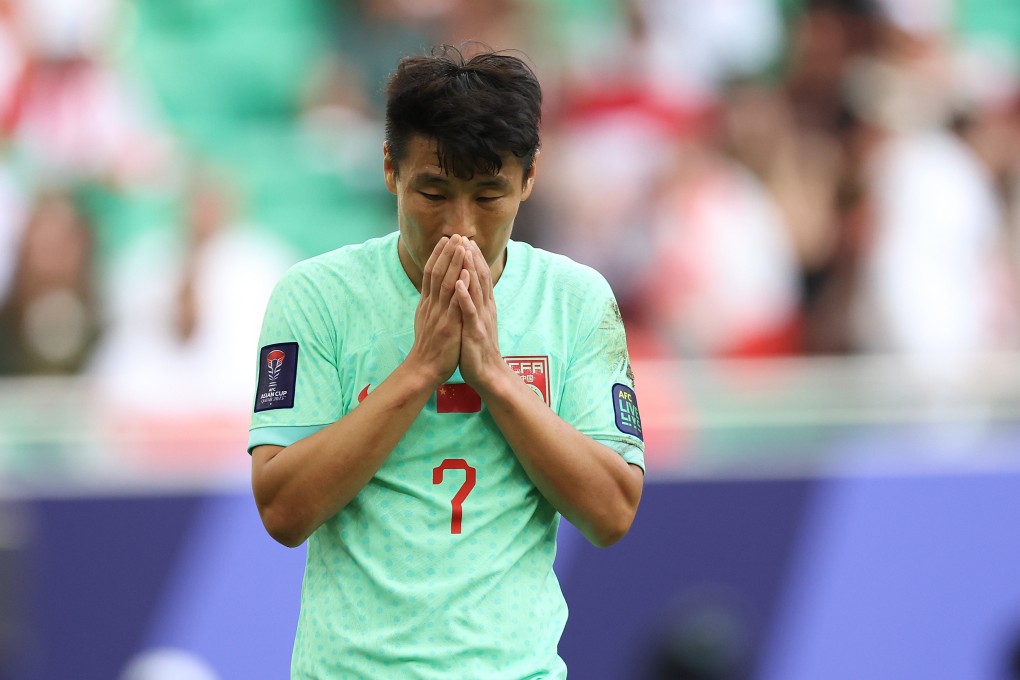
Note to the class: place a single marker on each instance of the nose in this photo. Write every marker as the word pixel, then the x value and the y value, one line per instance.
pixel 460 219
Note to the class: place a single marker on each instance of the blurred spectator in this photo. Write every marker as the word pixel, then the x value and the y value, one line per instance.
pixel 824 38
pixel 689 48
pixel 49 321
pixel 931 284
pixel 723 278
pixel 181 301
pixel 987 84
pixel 810 153
pixel 744 197
pixel 829 284
pixel 625 200
pixel 801 167
pixel 601 174
pixel 71 115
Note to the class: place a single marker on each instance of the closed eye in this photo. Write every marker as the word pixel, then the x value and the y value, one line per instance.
pixel 431 197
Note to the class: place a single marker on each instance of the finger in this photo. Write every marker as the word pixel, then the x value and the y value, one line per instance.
pixel 430 265
pixel 484 273
pixel 442 265
pixel 456 300
pixel 449 281
pixel 464 297
pixel 474 284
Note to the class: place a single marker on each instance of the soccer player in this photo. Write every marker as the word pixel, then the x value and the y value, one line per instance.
pixel 431 402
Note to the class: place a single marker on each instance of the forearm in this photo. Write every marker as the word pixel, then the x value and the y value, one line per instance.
pixel 299 487
pixel 587 482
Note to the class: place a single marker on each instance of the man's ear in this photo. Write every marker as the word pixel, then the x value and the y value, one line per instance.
pixel 389 169
pixel 529 179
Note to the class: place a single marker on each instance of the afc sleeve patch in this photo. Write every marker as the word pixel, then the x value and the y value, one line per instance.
pixel 277 376
pixel 628 420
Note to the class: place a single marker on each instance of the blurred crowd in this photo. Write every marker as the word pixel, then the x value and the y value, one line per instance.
pixel 755 177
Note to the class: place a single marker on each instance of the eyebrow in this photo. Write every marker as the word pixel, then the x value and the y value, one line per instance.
pixel 490 182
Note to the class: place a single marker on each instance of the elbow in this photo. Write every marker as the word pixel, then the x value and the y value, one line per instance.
pixel 610 527
pixel 609 533
pixel 615 518
pixel 282 527
pixel 288 540
pixel 284 518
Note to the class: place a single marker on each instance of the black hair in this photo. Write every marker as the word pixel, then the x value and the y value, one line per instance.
pixel 476 109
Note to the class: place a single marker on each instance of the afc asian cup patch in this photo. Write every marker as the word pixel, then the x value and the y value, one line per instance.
pixel 277 376
pixel 535 372
pixel 628 420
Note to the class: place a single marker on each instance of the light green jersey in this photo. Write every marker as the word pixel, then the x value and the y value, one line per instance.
pixel 441 567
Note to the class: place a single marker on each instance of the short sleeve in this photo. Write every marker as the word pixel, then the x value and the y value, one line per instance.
pixel 599 397
pixel 298 384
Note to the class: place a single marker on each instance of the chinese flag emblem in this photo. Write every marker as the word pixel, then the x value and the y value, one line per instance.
pixel 457 398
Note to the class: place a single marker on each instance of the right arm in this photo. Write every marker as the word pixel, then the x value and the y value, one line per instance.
pixel 300 486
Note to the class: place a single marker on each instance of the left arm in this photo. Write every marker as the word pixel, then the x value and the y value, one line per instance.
pixel 586 481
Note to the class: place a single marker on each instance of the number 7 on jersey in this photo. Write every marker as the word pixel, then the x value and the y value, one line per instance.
pixel 457 502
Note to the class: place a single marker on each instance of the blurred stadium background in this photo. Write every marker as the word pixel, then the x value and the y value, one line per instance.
pixel 809 209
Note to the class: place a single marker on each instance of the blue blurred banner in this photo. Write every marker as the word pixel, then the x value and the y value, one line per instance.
pixel 879 576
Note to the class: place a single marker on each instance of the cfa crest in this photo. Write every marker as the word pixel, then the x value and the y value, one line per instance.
pixel 534 371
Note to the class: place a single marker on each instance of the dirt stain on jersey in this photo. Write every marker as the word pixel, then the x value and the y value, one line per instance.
pixel 616 347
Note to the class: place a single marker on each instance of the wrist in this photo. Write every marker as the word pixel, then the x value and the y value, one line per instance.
pixel 497 383
pixel 422 376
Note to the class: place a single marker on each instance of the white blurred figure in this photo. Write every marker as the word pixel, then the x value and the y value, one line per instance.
pixel 184 306
pixel 987 78
pixel 77 115
pixel 167 664
pixel 928 285
pixel 723 278
pixel 931 281
pixel 174 372
pixel 691 47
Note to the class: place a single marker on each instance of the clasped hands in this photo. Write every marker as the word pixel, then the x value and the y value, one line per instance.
pixel 455 322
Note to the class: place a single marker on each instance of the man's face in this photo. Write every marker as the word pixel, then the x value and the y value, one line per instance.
pixel 432 204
